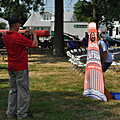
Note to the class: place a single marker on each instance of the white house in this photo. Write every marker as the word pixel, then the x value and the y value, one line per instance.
pixel 40 21
pixel 4 21
pixel 113 32
pixel 45 21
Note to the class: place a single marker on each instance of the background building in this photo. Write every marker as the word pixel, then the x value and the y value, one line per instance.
pixel 113 32
pixel 45 21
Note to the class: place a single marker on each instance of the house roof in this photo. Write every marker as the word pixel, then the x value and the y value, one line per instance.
pixel 69 15
pixel 4 21
pixel 35 19
pixel 47 11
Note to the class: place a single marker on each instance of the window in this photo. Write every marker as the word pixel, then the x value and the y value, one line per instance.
pixel 44 17
pixel 47 17
pixel 116 30
pixel 46 28
pixel 39 28
pixel 50 17
pixel 36 28
pixel 110 32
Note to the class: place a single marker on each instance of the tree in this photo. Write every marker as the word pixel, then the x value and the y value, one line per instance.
pixel 9 6
pixel 99 11
pixel 109 11
pixel 59 39
pixel 3 25
pixel 83 10
pixel 20 8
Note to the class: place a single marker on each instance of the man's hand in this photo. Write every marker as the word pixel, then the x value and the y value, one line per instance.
pixel 32 31
pixel 35 41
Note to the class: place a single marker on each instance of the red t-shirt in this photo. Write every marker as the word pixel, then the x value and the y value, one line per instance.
pixel 16 50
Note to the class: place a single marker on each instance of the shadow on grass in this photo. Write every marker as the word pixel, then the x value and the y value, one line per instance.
pixel 3 67
pixel 44 56
pixel 47 58
pixel 64 105
pixel 4 80
pixel 69 106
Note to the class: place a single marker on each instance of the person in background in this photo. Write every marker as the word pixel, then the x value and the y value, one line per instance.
pixel 70 45
pixel 85 40
pixel 106 61
pixel 106 57
pixel 105 40
pixel 15 44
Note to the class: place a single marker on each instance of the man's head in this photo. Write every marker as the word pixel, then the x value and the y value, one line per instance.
pixel 14 23
pixel 92 36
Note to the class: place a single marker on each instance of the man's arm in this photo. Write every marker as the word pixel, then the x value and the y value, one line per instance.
pixel 35 41
pixel 104 47
pixel 104 57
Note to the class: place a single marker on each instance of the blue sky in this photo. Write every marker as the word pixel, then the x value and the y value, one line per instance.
pixel 67 5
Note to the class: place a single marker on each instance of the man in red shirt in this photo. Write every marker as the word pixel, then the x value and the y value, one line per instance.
pixel 19 97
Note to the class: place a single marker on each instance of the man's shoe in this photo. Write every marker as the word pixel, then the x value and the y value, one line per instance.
pixel 27 117
pixel 12 117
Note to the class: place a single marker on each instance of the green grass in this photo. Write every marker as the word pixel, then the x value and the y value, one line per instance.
pixel 56 93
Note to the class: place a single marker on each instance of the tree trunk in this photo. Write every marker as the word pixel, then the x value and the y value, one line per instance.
pixel 95 15
pixel 59 39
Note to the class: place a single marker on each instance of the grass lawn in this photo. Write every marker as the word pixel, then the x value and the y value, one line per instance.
pixel 56 93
